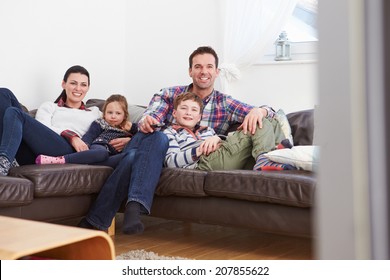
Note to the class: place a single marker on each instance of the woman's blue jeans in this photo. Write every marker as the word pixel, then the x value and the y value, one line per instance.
pixel 135 178
pixel 23 137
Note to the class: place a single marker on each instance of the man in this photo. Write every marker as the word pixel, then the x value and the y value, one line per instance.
pixel 220 110
pixel 137 174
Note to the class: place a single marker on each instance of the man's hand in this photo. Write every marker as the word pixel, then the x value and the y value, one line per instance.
pixel 120 143
pixel 78 144
pixel 252 119
pixel 146 125
pixel 208 146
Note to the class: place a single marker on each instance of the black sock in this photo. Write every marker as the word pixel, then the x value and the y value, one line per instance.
pixel 285 144
pixel 132 222
pixel 85 224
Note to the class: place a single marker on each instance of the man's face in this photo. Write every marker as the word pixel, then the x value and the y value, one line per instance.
pixel 203 71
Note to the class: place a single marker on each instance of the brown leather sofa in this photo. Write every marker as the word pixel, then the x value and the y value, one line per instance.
pixel 270 201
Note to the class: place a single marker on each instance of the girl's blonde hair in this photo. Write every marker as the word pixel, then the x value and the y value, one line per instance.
pixel 122 101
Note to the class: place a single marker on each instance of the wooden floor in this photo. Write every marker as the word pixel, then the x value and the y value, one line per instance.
pixel 210 242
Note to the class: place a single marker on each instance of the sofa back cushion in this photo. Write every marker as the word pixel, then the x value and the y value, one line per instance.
pixel 302 126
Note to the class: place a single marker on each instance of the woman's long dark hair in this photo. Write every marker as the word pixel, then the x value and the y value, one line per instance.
pixel 74 69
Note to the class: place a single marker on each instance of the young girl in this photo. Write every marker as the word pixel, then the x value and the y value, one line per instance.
pixel 114 124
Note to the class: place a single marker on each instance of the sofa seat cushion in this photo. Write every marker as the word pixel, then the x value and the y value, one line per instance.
pixel 15 191
pixel 63 179
pixel 292 188
pixel 181 182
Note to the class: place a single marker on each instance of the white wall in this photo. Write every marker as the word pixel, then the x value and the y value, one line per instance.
pixel 160 37
pixel 130 47
pixel 287 85
pixel 40 39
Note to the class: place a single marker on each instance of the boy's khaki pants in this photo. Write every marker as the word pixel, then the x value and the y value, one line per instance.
pixel 239 150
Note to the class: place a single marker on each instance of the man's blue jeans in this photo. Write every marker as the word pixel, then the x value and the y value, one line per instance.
pixel 24 137
pixel 135 178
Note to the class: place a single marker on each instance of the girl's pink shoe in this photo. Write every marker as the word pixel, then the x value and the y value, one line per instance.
pixel 42 159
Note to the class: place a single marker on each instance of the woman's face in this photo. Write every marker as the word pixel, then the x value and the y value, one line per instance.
pixel 76 87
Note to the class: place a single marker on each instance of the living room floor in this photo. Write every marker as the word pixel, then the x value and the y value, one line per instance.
pixel 210 242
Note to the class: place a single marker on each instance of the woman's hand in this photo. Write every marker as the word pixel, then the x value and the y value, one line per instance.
pixel 120 143
pixel 78 144
pixel 208 146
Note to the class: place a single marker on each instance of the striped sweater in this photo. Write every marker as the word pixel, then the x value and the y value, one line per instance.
pixel 183 143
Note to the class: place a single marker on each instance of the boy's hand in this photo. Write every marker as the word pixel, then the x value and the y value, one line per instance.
pixel 208 146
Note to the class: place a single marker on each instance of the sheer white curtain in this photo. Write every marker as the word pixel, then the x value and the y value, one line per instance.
pixel 249 27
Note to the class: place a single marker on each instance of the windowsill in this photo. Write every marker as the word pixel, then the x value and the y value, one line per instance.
pixel 302 53
pixel 284 62
pixel 296 58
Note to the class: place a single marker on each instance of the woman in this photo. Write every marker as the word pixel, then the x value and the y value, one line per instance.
pixel 55 131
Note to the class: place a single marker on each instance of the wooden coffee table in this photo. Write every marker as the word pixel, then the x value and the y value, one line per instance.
pixel 21 239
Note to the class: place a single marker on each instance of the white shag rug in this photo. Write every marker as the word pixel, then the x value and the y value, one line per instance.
pixel 145 255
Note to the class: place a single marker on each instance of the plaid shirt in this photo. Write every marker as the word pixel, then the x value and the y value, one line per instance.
pixel 220 110
pixel 69 134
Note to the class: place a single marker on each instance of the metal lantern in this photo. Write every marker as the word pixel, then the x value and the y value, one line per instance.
pixel 282 47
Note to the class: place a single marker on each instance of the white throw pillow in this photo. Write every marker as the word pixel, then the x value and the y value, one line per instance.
pixel 302 157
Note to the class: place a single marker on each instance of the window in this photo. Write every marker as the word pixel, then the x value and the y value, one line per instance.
pixel 302 25
pixel 301 31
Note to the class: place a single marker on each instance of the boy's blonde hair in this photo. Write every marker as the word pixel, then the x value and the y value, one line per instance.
pixel 122 101
pixel 188 96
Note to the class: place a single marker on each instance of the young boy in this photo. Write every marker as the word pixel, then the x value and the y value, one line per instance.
pixel 196 147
